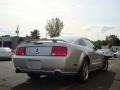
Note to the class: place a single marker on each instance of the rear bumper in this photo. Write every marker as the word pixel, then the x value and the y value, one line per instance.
pixel 5 58
pixel 6 55
pixel 9 56
pixel 42 72
pixel 41 64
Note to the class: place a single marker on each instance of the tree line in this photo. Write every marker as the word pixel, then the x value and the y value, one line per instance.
pixel 111 40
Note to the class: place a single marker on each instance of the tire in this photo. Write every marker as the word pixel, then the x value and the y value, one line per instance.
pixel 84 72
pixel 115 56
pixel 105 66
pixel 33 76
pixel 9 59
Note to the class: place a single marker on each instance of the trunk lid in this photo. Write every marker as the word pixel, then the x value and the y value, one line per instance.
pixel 41 48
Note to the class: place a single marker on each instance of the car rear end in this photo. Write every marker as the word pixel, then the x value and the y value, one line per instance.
pixel 43 57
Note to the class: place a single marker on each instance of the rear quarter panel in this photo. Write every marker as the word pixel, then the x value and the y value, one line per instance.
pixel 76 55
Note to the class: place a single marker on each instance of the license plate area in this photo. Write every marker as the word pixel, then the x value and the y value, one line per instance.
pixel 38 51
pixel 34 64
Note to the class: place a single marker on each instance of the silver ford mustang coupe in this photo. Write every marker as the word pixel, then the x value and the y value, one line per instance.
pixel 59 56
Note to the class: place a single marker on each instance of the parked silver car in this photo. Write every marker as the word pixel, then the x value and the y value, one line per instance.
pixel 117 54
pixel 59 56
pixel 5 53
pixel 107 53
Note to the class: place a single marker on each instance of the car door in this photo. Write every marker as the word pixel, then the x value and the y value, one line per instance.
pixel 96 58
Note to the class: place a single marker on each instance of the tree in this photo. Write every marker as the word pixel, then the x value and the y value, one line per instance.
pixel 35 34
pixel 100 43
pixel 21 39
pixel 113 40
pixel 54 27
pixel 110 41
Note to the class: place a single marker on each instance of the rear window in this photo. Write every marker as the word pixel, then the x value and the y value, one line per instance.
pixel 67 39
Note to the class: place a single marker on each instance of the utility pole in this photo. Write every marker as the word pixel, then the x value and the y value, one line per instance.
pixel 2 42
pixel 17 31
pixel 17 37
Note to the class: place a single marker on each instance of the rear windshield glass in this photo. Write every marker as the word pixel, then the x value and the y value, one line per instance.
pixel 66 39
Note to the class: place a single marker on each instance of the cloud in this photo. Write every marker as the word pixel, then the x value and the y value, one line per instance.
pixel 107 28
pixel 99 32
pixel 102 28
pixel 92 27
pixel 5 31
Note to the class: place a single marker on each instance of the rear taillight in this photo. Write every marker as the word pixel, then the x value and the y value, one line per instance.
pixel 59 51
pixel 20 51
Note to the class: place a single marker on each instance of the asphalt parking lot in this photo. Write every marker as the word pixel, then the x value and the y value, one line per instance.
pixel 109 80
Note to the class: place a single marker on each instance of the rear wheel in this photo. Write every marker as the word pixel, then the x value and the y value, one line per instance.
pixel 84 72
pixel 33 76
pixel 9 59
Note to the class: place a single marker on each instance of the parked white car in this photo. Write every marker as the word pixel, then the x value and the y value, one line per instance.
pixel 106 52
pixel 5 53
pixel 117 54
pixel 59 56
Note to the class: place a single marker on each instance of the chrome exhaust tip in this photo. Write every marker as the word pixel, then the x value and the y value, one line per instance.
pixel 58 72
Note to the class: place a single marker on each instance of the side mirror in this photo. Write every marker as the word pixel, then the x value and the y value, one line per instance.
pixel 95 48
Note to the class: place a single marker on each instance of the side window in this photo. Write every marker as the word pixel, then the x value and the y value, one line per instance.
pixel 89 43
pixel 81 42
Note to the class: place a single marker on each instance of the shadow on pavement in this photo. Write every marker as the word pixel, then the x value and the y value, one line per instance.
pixel 97 81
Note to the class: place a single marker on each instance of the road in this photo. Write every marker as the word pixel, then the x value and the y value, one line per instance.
pixel 109 80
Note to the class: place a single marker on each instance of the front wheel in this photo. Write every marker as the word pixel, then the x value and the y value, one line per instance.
pixel 84 72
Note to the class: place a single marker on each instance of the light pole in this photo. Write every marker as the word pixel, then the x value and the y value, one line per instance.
pixel 2 42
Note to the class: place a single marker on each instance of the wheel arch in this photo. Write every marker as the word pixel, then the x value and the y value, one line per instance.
pixel 87 59
pixel 83 57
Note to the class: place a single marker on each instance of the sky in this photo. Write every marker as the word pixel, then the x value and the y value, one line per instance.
pixel 94 19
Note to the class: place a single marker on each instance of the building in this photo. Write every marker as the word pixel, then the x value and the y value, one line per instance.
pixel 12 42
pixel 5 41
